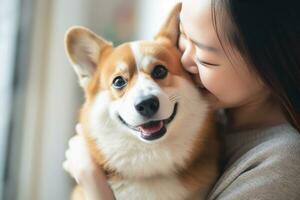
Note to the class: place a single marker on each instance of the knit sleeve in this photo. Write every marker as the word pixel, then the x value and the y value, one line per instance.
pixel 269 171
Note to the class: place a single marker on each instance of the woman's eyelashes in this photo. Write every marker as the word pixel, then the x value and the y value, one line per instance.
pixel 204 63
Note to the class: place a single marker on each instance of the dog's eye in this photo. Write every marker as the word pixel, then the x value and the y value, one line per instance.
pixel 119 82
pixel 159 72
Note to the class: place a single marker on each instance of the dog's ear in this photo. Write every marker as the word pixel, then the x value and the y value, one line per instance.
pixel 170 28
pixel 84 49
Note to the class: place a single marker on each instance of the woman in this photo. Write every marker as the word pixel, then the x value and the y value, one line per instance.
pixel 245 54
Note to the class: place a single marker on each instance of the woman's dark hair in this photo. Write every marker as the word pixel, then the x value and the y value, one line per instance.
pixel 267 34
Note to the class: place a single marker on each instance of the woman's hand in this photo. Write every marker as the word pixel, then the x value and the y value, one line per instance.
pixel 79 162
pixel 80 165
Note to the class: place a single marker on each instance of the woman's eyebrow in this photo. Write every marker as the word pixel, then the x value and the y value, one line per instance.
pixel 199 44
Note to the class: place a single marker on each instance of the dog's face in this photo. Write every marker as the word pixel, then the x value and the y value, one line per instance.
pixel 143 88
pixel 138 98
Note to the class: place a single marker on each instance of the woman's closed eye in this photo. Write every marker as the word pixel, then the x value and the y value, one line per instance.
pixel 205 63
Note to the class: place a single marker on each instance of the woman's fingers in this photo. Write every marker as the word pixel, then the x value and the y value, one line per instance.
pixel 65 166
pixel 81 166
pixel 78 129
pixel 79 163
pixel 67 154
pixel 74 141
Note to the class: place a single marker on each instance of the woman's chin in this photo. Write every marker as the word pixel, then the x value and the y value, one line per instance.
pixel 212 99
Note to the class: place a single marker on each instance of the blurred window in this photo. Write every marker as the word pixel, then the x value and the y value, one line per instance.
pixel 8 35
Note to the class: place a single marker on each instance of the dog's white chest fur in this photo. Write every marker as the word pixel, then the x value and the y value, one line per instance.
pixel 151 189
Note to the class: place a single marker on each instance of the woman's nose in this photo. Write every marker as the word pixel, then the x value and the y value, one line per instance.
pixel 187 60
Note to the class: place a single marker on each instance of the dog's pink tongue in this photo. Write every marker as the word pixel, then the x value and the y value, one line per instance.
pixel 148 130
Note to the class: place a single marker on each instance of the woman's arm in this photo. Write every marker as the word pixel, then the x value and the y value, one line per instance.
pixel 96 187
pixel 80 165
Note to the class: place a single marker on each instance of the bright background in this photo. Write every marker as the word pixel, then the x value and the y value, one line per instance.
pixel 39 94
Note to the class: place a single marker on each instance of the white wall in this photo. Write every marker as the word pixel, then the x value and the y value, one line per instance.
pixel 151 14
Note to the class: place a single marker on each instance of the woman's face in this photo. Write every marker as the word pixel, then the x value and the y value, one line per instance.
pixel 227 82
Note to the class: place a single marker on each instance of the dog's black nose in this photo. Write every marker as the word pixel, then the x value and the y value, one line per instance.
pixel 147 106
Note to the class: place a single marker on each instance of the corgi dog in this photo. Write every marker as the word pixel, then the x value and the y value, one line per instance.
pixel 145 121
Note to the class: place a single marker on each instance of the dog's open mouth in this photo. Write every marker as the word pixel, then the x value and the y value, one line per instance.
pixel 154 129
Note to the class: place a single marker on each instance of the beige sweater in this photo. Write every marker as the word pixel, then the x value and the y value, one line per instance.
pixel 262 164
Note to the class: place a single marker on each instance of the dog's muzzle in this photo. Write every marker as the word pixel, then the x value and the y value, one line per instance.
pixel 154 129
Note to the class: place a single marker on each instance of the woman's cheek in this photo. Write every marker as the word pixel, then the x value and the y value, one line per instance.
pixel 204 76
pixel 212 80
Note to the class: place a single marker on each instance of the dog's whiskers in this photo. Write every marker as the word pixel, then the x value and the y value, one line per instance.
pixel 174 98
